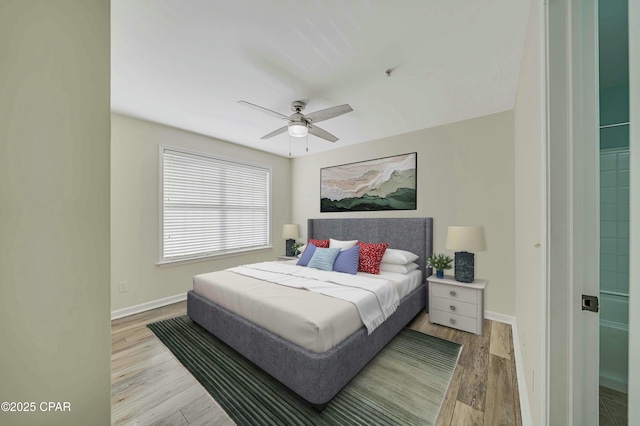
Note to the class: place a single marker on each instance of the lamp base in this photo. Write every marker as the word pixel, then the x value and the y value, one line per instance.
pixel 289 247
pixel 464 266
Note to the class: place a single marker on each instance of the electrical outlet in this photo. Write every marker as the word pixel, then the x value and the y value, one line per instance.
pixel 124 286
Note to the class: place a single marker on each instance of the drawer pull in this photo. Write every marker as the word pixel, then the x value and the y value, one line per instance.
pixel 452 321
pixel 453 308
pixel 453 293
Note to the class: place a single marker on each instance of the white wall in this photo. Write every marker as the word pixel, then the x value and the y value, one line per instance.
pixel 530 213
pixel 54 210
pixel 634 145
pixel 465 177
pixel 135 209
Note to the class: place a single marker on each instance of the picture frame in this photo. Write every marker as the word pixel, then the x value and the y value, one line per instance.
pixel 387 183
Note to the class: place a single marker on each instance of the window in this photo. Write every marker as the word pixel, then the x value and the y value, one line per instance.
pixel 211 206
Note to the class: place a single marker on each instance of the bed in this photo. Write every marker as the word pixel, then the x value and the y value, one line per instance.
pixel 318 376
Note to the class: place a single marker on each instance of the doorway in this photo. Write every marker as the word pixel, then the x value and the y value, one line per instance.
pixel 613 40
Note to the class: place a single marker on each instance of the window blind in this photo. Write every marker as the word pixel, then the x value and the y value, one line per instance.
pixel 212 206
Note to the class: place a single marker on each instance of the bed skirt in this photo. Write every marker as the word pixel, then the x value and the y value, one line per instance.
pixel 315 377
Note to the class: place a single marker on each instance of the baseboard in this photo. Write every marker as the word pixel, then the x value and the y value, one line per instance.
pixel 525 409
pixel 131 310
pixel 614 384
pixel 497 316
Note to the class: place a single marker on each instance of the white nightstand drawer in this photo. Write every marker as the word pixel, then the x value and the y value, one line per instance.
pixel 456 304
pixel 455 307
pixel 457 292
pixel 454 320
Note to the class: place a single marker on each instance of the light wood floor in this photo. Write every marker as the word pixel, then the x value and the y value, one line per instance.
pixel 150 387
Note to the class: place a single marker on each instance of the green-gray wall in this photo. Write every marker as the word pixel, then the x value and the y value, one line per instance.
pixel 465 177
pixel 54 210
pixel 135 206
pixel 530 220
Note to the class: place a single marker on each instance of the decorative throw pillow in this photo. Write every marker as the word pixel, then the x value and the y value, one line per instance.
pixel 399 269
pixel 320 243
pixel 307 255
pixel 399 257
pixel 347 261
pixel 324 258
pixel 343 245
pixel 371 256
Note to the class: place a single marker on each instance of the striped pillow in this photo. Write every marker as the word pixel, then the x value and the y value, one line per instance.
pixel 323 258
pixel 347 261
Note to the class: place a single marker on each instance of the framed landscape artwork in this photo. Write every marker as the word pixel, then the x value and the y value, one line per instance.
pixel 383 184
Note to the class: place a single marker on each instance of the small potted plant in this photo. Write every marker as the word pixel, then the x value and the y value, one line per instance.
pixel 439 262
pixel 296 248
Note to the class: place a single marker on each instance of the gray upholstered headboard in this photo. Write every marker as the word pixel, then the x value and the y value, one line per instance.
pixel 411 234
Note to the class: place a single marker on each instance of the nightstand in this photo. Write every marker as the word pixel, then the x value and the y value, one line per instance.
pixel 283 257
pixel 455 304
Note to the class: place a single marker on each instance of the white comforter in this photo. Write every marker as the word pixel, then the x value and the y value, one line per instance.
pixel 375 299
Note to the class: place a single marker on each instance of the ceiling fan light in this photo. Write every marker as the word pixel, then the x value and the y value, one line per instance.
pixel 298 129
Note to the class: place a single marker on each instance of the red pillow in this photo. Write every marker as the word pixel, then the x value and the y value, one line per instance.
pixel 320 243
pixel 371 256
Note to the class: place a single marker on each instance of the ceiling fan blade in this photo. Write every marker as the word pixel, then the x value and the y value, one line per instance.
pixel 325 114
pixel 275 132
pixel 265 110
pixel 317 131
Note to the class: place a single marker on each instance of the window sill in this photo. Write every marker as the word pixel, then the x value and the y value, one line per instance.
pixel 168 263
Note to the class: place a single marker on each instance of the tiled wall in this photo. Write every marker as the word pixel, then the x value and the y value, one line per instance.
pixel 614 221
pixel 614 268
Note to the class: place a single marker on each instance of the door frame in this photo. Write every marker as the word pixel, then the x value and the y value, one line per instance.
pixel 634 234
pixel 573 211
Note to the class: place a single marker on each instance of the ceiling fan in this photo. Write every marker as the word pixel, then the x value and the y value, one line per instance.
pixel 300 124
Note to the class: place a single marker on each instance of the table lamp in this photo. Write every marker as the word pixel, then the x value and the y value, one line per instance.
pixel 465 240
pixel 290 232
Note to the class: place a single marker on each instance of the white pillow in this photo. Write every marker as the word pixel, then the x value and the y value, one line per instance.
pixel 399 269
pixel 398 257
pixel 301 250
pixel 342 245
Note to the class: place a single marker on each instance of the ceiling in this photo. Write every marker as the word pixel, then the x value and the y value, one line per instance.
pixel 187 63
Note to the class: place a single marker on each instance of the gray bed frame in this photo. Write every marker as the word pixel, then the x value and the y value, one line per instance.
pixel 318 377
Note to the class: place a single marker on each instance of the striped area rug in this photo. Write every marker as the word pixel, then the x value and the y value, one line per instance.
pixel 404 384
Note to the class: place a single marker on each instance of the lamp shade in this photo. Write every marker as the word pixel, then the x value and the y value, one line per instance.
pixel 466 238
pixel 298 129
pixel 290 231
